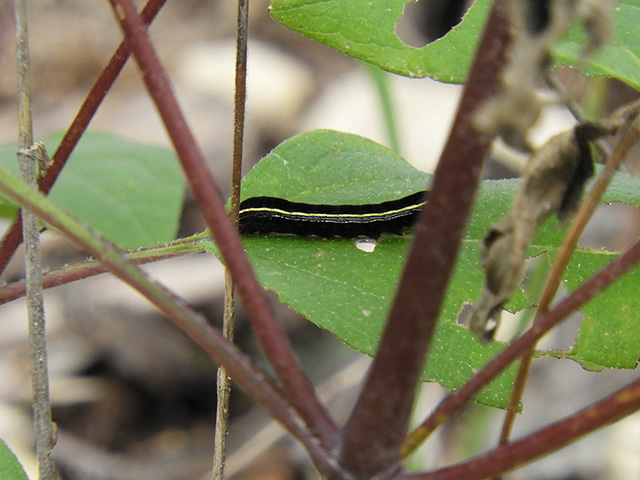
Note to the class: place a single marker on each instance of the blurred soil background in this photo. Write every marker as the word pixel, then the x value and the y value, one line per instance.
pixel 133 399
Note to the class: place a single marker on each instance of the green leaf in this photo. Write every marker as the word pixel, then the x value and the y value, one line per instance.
pixel 343 289
pixel 10 468
pixel 349 292
pixel 366 30
pixel 620 59
pixel 345 169
pixel 131 193
pixel 609 335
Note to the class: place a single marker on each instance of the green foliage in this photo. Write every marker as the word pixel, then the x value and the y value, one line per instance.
pixel 349 292
pixel 10 468
pixel 619 60
pixel 366 30
pixel 131 193
pixel 609 335
pixel 345 168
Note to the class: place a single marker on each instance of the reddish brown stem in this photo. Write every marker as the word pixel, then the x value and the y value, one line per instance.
pixel 553 437
pixel 273 341
pixel 55 278
pixel 256 382
pixel 629 138
pixel 591 288
pixel 385 402
pixel 13 236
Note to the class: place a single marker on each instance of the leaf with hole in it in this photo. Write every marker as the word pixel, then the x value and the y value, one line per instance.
pixel 366 30
pixel 10 468
pixel 608 336
pixel 131 193
pixel 348 291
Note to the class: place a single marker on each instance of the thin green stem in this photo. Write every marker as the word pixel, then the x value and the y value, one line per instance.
pixel 381 80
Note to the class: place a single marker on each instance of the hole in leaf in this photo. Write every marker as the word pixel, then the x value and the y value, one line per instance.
pixel 423 21
pixel 408 25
